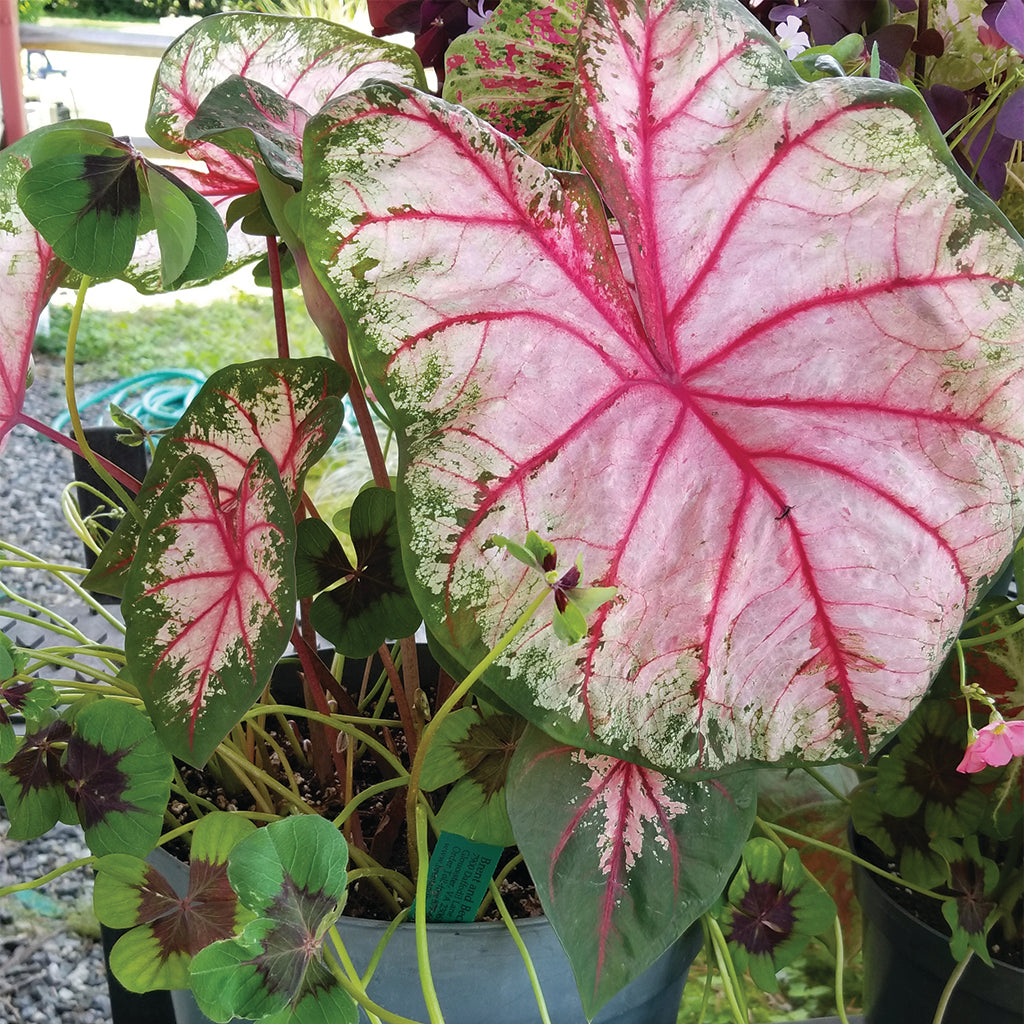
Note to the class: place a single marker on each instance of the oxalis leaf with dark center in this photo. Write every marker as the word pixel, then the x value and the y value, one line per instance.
pixel 784 426
pixel 774 909
pixel 292 876
pixel 105 768
pixel 166 930
pixel 365 604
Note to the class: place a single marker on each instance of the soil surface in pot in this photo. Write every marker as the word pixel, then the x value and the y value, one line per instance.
pixel 380 829
pixel 929 911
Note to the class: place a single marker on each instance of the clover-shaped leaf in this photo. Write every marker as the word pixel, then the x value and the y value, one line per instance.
pixel 774 910
pixel 292 876
pixel 166 930
pixel 358 606
pixel 788 434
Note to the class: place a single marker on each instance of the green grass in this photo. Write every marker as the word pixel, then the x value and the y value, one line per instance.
pixel 117 345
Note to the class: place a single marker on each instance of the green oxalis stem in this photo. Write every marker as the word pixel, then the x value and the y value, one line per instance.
pixel 72 403
pixel 35 883
pixel 412 800
pixel 726 968
pixel 772 830
pixel 422 953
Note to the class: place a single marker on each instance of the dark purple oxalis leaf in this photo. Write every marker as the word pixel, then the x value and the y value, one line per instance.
pixel 794 446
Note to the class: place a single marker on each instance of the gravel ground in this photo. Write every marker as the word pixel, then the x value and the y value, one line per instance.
pixel 51 960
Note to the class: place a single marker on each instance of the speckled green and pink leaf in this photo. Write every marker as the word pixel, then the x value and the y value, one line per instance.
pixel 624 858
pixel 793 445
pixel 293 65
pixel 517 72
pixel 291 408
pixel 210 601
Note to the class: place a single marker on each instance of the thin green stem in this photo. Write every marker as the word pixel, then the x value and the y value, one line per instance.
pixel 840 968
pixel 950 986
pixel 460 691
pixel 838 851
pixel 72 404
pixel 531 972
pixel 422 953
pixel 345 973
pixel 82 862
pixel 727 969
pixel 819 778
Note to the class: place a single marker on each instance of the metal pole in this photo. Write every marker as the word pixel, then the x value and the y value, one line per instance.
pixel 11 96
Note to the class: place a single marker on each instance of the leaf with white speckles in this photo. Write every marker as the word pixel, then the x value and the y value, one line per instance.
pixel 794 445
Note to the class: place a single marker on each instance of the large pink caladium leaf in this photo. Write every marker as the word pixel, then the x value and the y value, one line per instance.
pixel 796 454
pixel 210 602
pixel 266 74
pixel 624 858
pixel 288 407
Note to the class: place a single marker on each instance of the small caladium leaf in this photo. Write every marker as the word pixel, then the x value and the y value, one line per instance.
pixel 517 71
pixel 288 407
pixel 625 859
pixel 210 602
pixel 293 66
pixel 292 876
pixel 167 930
pixel 774 908
pixel 251 120
pixel 473 749
pixel 371 602
pixel 795 501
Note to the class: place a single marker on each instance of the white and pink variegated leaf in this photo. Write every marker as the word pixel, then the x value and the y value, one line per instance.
pixel 625 859
pixel 210 601
pixel 794 445
pixel 290 408
pixel 306 62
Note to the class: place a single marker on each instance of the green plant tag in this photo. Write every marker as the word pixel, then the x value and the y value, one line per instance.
pixel 459 872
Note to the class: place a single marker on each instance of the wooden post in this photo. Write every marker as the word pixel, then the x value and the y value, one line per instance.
pixel 11 96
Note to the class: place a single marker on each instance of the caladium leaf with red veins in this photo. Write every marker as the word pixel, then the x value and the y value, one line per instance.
pixel 517 71
pixel 288 407
pixel 621 867
pixel 210 601
pixel 293 66
pixel 168 929
pixel 796 456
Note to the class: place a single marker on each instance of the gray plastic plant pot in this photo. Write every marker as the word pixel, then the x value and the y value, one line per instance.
pixel 479 973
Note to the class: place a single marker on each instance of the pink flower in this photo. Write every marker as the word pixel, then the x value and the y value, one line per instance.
pixel 994 745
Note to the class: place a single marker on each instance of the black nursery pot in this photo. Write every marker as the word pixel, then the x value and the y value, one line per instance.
pixel 134 460
pixel 907 964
